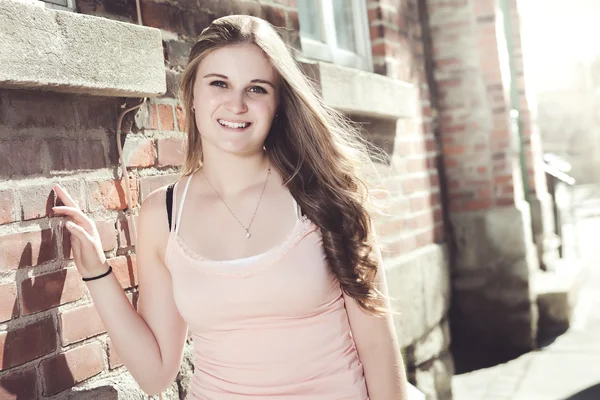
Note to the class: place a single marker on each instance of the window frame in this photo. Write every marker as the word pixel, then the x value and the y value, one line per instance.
pixel 328 50
pixel 51 4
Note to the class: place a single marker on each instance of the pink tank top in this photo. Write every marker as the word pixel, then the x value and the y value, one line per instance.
pixel 272 326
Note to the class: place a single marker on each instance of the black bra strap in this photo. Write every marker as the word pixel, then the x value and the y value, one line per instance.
pixel 170 204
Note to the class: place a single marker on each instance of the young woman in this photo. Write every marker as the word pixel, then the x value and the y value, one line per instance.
pixel 264 248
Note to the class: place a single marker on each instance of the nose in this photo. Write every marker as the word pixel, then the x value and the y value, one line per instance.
pixel 236 102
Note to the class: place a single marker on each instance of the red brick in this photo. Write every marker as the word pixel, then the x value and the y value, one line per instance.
pixel 507 201
pixel 72 367
pixel 149 184
pixel 7 206
pixel 416 165
pixel 24 157
pixel 476 205
pixel 414 184
pixel 171 152
pixel 374 14
pixel 139 153
pixel 114 361
pixel 181 121
pixel 379 50
pixel 376 32
pixel 37 200
pixel 125 270
pixel 153 115
pixel 402 246
pixel 498 179
pixel 80 323
pixel 420 221
pixel 165 116
pixel 19 385
pixel 454 150
pixel 8 301
pixel 108 234
pixel 50 290
pixel 28 343
pixel 420 203
pixel 108 237
pixel 19 250
pixel 392 227
pixel 111 194
pixel 425 238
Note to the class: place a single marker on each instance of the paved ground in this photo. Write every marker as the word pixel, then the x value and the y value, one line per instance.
pixel 566 369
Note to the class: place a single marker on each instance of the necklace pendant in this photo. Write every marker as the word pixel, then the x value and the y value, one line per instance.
pixel 248 234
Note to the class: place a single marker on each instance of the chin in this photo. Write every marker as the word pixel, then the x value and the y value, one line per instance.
pixel 242 150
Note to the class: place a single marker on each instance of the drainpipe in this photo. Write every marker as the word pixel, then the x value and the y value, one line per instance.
pixel 515 116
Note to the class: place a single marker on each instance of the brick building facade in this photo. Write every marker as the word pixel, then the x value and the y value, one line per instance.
pixel 425 78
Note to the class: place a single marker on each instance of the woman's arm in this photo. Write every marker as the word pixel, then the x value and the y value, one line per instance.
pixel 377 346
pixel 149 341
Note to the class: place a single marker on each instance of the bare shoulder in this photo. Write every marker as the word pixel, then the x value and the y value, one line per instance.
pixel 153 226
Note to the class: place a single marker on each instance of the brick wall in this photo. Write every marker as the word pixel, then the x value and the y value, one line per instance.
pixel 48 326
pixel 51 337
pixel 397 45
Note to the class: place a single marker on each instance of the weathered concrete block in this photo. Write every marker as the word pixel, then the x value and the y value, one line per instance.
pixel 430 346
pixel 557 294
pixel 434 378
pixel 420 290
pixel 494 305
pixel 53 50
pixel 363 93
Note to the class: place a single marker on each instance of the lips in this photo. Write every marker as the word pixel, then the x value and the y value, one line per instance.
pixel 233 124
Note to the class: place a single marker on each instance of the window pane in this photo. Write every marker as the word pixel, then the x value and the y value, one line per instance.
pixel 344 25
pixel 309 13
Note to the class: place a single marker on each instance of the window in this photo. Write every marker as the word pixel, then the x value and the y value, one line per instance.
pixel 65 5
pixel 335 31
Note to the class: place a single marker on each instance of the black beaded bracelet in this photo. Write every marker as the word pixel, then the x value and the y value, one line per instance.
pixel 93 278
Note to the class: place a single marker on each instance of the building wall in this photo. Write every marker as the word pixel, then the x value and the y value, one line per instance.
pixel 52 340
pixel 494 256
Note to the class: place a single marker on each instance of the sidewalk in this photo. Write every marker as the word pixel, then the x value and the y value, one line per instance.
pixel 568 368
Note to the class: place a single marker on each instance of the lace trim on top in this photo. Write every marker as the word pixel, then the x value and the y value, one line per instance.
pixel 253 264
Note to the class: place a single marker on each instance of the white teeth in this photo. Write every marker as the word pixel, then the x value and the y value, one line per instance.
pixel 233 124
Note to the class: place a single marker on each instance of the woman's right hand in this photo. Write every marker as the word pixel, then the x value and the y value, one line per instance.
pixel 85 241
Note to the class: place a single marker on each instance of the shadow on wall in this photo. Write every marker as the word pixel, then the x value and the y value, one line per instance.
pixel 591 393
pixel 45 136
pixel 23 344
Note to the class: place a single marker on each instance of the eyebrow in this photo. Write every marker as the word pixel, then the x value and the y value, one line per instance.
pixel 263 81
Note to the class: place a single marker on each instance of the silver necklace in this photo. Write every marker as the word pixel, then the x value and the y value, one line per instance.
pixel 255 210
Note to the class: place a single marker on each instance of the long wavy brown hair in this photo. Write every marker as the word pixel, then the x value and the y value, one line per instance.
pixel 320 154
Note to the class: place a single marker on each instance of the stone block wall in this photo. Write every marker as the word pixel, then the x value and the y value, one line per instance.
pixel 53 343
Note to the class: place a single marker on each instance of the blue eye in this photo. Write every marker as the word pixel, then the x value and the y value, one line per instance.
pixel 219 84
pixel 258 89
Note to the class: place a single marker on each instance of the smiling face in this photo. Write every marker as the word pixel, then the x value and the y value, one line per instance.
pixel 236 94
